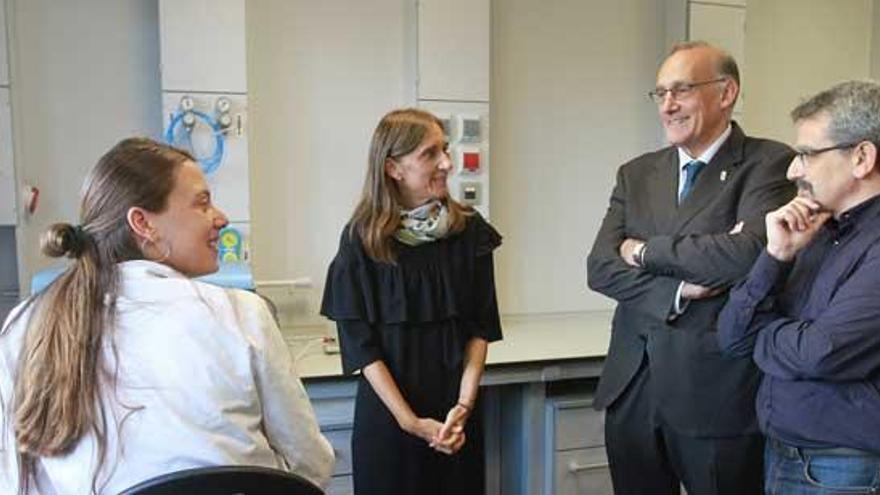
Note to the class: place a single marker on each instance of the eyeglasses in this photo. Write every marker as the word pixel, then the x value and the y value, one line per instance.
pixel 679 91
pixel 803 154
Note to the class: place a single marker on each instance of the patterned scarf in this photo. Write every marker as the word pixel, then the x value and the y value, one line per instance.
pixel 423 224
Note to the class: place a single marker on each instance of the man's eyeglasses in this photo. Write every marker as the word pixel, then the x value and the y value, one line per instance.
pixel 803 154
pixel 679 91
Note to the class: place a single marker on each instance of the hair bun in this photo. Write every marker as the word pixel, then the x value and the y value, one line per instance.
pixel 63 239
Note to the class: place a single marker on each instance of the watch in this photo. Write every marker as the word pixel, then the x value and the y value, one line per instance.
pixel 639 254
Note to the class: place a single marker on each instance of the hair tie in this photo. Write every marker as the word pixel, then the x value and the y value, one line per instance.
pixel 80 238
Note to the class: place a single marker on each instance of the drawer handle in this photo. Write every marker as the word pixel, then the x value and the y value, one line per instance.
pixel 574 467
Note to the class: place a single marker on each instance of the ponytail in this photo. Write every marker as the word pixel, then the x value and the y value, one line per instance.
pixel 58 387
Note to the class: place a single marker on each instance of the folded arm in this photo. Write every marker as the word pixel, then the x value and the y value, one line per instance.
pixel 721 259
pixel 609 274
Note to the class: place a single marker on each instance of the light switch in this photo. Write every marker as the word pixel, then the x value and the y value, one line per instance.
pixel 471 193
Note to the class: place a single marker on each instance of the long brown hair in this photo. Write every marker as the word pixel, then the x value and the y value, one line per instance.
pixel 377 215
pixel 60 374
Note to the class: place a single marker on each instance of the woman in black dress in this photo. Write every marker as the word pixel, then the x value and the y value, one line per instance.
pixel 412 292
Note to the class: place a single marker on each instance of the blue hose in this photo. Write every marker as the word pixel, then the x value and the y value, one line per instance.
pixel 211 163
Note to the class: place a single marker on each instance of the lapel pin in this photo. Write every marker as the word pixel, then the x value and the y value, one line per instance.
pixel 723 175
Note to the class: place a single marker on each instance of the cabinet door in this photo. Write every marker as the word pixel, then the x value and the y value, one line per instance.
pixel 202 45
pixel 453 50
pixel 4 66
pixel 725 26
pixel 578 425
pixel 7 173
pixel 582 471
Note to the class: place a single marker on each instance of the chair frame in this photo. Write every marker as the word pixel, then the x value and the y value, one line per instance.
pixel 226 480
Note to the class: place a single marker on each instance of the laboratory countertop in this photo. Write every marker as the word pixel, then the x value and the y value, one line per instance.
pixel 527 339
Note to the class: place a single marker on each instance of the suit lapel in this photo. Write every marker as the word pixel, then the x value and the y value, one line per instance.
pixel 712 178
pixel 664 193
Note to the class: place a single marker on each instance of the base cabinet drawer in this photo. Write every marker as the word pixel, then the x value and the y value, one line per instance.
pixel 582 472
pixel 578 425
pixel 574 455
pixel 340 485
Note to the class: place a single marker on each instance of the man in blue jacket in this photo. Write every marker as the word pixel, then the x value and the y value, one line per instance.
pixel 809 311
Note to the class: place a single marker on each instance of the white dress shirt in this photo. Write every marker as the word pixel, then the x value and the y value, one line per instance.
pixel 204 378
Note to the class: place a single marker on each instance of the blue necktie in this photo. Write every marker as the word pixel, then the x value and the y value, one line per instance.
pixel 691 170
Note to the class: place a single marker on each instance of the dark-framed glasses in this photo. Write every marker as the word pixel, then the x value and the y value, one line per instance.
pixel 679 91
pixel 803 154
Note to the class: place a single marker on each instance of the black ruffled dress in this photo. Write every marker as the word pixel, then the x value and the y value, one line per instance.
pixel 416 316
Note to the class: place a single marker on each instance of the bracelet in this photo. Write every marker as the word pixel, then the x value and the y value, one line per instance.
pixel 639 254
pixel 463 406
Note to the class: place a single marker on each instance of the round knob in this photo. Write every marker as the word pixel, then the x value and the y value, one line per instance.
pixel 222 105
pixel 224 120
pixel 187 103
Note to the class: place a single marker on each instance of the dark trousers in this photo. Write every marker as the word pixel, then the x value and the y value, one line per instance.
pixel 648 458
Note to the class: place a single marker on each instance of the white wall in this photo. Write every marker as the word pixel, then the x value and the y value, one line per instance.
pixel 320 75
pixel 796 48
pixel 569 105
pixel 84 74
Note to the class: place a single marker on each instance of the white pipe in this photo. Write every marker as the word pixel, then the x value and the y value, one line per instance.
pixel 293 283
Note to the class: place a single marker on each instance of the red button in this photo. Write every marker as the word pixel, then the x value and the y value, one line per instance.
pixel 471 162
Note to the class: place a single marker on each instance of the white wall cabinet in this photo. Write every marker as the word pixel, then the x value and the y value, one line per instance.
pixel 7 172
pixel 203 46
pixel 4 52
pixel 725 26
pixel 453 50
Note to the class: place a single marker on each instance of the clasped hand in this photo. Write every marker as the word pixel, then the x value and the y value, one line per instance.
pixel 447 437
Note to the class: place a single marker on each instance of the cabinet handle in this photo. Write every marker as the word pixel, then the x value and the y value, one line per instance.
pixel 574 467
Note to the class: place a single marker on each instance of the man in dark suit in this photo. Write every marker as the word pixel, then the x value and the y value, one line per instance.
pixel 684 223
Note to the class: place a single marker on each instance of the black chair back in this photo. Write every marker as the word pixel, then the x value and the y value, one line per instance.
pixel 226 480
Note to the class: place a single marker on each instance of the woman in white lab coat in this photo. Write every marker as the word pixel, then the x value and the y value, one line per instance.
pixel 125 368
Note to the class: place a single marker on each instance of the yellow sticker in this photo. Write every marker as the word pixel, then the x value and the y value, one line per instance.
pixel 229 239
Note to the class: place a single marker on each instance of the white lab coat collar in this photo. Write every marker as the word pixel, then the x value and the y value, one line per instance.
pixel 136 269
